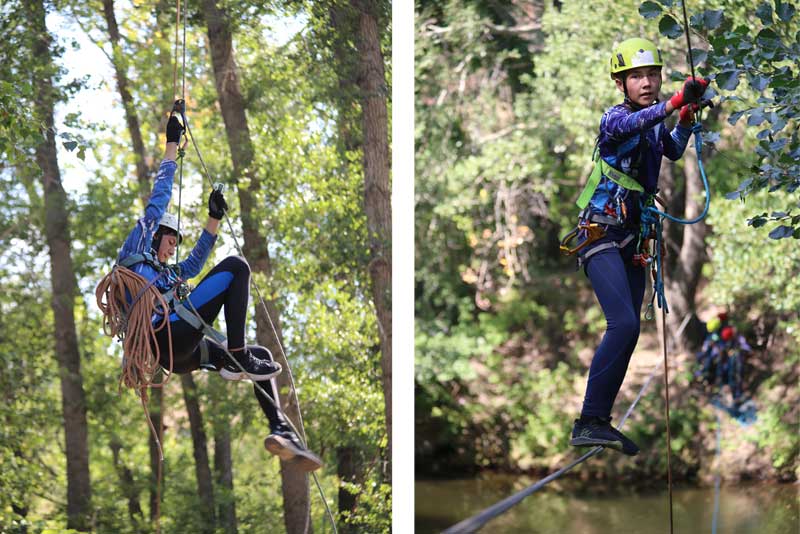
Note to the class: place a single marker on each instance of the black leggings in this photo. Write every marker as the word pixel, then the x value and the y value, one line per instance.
pixel 228 285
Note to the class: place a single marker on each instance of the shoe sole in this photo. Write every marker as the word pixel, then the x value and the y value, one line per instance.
pixel 288 451
pixel 586 442
pixel 238 375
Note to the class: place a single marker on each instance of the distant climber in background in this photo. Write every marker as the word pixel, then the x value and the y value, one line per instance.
pixel 721 361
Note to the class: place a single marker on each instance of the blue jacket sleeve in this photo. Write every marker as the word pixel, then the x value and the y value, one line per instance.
pixel 141 237
pixel 620 124
pixel 675 142
pixel 191 266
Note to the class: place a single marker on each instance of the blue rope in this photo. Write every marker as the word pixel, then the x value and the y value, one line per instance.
pixel 652 216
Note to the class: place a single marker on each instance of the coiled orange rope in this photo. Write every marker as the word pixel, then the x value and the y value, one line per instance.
pixel 132 324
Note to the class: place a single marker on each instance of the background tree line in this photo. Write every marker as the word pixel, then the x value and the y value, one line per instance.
pixel 298 130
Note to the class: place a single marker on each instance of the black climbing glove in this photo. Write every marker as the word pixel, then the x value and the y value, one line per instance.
pixel 216 205
pixel 174 130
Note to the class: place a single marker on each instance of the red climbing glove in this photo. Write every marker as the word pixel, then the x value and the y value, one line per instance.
pixel 687 113
pixel 690 93
pixel 174 130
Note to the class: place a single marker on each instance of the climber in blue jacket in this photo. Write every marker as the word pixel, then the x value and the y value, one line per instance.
pixel 146 251
pixel 632 140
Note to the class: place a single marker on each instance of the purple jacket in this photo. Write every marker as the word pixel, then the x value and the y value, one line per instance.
pixel 634 142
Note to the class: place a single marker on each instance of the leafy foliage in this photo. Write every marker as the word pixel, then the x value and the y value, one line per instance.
pixel 755 66
pixel 312 205
pixel 504 134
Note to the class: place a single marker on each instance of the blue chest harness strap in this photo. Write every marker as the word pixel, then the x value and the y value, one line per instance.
pixel 178 305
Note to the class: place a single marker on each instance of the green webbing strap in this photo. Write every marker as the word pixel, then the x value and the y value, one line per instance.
pixel 601 168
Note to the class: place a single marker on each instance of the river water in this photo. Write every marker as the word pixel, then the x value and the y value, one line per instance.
pixel 563 508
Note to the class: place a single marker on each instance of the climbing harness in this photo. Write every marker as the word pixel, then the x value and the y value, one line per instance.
pixel 133 323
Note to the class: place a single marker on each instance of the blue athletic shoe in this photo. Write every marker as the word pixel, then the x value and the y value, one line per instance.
pixel 596 431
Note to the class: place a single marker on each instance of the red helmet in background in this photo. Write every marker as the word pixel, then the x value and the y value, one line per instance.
pixel 727 333
pixel 723 316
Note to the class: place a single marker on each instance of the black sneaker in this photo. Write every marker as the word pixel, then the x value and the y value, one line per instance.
pixel 254 368
pixel 284 443
pixel 599 432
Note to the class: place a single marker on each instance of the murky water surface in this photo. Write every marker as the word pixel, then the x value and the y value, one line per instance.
pixel 563 508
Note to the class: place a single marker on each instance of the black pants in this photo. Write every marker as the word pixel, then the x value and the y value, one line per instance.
pixel 226 285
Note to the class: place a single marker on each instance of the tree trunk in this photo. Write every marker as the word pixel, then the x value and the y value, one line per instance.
pixel 348 462
pixel 120 69
pixel 156 418
pixel 202 468
pixel 127 484
pixel 143 183
pixel 296 503
pixel 223 469
pixel 685 276
pixel 64 284
pixel 377 202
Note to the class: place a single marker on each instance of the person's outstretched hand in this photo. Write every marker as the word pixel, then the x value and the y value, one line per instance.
pixel 217 205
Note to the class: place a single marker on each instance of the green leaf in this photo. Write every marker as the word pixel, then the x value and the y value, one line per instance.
pixel 713 18
pixel 776 146
pixel 670 27
pixel 781 231
pixel 650 10
pixel 784 10
pixel 756 117
pixel 728 80
pixel 698 56
pixel 758 82
pixel 768 39
pixel 70 145
pixel 764 12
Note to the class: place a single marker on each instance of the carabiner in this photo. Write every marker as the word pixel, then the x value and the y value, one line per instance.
pixel 593 233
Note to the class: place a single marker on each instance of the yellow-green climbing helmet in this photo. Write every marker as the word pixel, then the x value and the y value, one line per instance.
pixel 634 53
pixel 713 324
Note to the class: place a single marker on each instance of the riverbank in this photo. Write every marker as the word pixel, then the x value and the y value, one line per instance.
pixel 573 506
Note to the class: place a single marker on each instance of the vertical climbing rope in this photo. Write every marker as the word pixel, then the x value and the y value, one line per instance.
pixel 301 432
pixel 666 412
